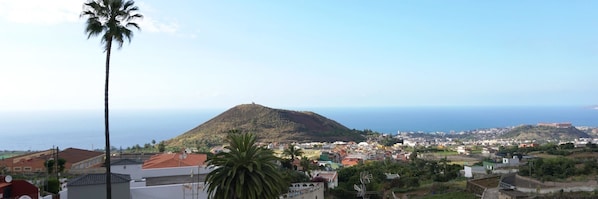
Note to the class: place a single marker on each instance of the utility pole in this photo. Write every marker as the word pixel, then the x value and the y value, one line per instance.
pixel 56 166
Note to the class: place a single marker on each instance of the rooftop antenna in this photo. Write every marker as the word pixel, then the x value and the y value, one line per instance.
pixel 182 157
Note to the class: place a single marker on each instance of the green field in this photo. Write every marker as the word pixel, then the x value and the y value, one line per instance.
pixel 4 155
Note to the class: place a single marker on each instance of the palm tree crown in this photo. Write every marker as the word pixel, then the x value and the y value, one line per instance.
pixel 246 171
pixel 112 18
pixel 292 151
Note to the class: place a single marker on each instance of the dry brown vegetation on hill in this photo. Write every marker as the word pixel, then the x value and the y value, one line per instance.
pixel 531 132
pixel 270 125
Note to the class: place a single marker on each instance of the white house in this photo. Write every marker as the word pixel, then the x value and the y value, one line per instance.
pixel 511 161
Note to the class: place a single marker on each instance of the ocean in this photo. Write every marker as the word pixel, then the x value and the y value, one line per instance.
pixel 38 130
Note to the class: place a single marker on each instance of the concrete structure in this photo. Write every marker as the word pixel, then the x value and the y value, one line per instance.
pixel 131 167
pixel 175 175
pixel 311 190
pixel 187 190
pixel 511 161
pixel 471 171
pixel 93 186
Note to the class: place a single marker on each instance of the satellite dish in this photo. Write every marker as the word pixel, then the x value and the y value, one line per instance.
pixel 8 178
pixel 357 188
pixel 25 197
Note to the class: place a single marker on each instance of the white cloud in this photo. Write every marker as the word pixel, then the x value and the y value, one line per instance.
pixel 151 25
pixel 43 12
pixel 46 12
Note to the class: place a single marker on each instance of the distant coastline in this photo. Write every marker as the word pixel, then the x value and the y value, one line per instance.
pixel 84 129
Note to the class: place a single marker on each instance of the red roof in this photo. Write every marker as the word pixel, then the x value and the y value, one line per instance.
pixel 174 160
pixel 350 161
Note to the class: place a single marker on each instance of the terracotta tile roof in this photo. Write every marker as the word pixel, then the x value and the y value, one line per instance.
pixel 74 155
pixel 174 160
pixel 350 161
pixel 99 178
pixel 37 159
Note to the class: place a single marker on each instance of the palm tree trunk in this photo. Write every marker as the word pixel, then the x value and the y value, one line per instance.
pixel 107 132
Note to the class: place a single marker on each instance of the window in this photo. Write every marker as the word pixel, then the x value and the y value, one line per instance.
pixel 26 168
pixel 17 168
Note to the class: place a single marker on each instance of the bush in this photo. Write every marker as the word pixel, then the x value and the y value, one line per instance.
pixel 53 185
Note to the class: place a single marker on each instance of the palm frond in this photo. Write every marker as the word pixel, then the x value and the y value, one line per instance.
pixel 245 170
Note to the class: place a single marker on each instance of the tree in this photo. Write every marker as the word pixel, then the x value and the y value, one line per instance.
pixel 245 171
pixel 112 19
pixel 161 147
pixel 294 152
pixel 50 165
pixel 306 165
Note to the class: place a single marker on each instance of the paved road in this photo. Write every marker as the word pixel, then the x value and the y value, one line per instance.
pixel 491 193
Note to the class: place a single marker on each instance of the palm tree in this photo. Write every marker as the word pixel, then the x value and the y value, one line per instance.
pixel 245 171
pixel 111 19
pixel 292 151
pixel 306 165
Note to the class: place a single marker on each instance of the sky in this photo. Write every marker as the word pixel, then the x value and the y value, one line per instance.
pixel 194 54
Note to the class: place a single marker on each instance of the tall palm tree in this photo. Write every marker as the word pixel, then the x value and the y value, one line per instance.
pixel 246 171
pixel 112 19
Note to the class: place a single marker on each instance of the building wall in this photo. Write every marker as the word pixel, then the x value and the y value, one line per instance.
pixel 305 191
pixel 174 171
pixel 119 191
pixel 134 170
pixel 88 163
pixel 194 190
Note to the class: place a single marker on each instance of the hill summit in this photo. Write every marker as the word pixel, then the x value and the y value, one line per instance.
pixel 269 125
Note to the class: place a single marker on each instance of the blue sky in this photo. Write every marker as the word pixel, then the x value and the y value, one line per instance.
pixel 217 54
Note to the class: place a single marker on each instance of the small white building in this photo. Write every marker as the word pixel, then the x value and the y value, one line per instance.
pixel 511 161
pixel 470 171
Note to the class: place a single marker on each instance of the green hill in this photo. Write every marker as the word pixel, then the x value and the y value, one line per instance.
pixel 269 124
pixel 532 132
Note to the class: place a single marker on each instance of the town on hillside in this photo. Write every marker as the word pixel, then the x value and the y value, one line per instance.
pixel 474 164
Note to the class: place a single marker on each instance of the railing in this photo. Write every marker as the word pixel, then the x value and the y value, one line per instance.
pixel 298 189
